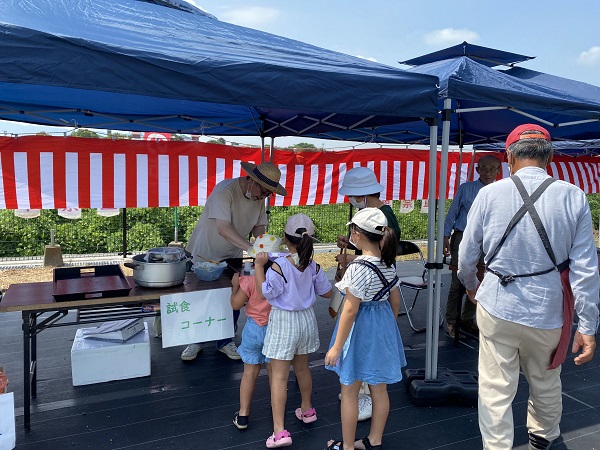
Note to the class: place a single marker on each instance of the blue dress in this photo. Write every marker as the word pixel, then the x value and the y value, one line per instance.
pixel 373 351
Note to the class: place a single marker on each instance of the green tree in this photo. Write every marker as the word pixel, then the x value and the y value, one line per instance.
pixel 177 137
pixel 217 141
pixel 116 135
pixel 302 145
pixel 85 133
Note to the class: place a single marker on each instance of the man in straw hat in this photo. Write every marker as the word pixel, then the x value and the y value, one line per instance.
pixel 541 264
pixel 234 210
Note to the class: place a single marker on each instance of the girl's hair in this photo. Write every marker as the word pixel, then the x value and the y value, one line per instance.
pixel 388 243
pixel 304 246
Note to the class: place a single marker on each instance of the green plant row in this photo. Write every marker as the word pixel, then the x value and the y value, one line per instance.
pixel 154 227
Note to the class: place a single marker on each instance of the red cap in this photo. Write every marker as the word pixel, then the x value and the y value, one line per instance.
pixel 517 134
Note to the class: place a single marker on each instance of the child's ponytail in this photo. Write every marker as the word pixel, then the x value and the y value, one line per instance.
pixel 389 247
pixel 304 246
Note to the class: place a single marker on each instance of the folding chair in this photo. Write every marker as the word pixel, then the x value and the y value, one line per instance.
pixel 416 283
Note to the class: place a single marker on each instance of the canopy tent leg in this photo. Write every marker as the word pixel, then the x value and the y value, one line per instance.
pixel 434 386
pixel 124 212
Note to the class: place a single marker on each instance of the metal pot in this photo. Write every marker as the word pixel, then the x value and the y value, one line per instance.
pixel 158 274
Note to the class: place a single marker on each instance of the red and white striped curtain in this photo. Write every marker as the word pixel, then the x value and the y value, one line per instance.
pixel 40 172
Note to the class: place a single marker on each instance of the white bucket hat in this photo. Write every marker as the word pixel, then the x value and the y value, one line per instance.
pixel 360 181
pixel 371 220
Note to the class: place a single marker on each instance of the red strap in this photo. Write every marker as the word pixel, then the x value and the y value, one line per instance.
pixel 560 354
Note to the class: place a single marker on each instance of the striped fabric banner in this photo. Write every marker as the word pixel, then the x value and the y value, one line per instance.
pixel 40 172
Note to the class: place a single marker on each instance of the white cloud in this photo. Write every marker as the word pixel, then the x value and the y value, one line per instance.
pixel 252 17
pixel 590 57
pixel 450 36
pixel 367 58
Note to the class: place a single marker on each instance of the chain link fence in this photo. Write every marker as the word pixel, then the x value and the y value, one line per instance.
pixel 154 227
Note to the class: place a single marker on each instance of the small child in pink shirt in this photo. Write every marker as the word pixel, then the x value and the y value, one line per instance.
pixel 257 312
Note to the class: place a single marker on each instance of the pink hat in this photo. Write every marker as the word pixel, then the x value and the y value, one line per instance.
pixel 519 133
pixel 298 224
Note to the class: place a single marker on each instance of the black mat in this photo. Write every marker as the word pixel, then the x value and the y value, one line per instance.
pixel 191 405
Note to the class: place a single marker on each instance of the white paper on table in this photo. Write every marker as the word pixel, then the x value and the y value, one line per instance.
pixel 194 317
pixel 8 435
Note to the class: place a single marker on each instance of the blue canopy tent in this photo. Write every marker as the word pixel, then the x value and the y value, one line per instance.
pixel 150 65
pixel 163 65
pixel 481 104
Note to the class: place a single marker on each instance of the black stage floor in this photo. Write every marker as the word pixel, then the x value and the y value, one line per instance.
pixel 191 405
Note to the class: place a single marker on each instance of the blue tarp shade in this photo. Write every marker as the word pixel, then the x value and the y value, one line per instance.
pixel 142 66
pixel 484 55
pixel 488 103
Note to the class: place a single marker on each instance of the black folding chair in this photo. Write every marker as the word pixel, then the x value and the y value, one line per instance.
pixel 416 283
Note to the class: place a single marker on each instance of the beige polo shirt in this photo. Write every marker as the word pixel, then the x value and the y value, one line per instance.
pixel 226 202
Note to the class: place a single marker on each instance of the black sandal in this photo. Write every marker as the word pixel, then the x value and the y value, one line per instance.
pixel 367 443
pixel 241 422
pixel 337 444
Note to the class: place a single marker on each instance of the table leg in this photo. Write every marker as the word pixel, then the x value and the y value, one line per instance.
pixel 26 371
pixel 33 366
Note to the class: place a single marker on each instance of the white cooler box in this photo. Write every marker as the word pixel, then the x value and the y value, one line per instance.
pixel 95 361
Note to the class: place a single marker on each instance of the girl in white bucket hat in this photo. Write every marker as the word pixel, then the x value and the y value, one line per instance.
pixel 361 187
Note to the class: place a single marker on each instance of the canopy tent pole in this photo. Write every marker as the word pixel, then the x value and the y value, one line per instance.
pixel 433 386
pixel 447 112
pixel 124 211
pixel 430 339
pixel 175 226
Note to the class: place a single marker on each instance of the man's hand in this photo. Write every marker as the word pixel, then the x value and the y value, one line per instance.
pixel 587 345
pixel 446 247
pixel 345 259
pixel 471 295
pixel 342 241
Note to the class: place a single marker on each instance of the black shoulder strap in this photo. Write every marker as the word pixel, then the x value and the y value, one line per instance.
pixel 277 269
pixel 387 285
pixel 521 212
pixel 535 217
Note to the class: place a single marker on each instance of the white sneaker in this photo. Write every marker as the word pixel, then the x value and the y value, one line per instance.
pixel 191 351
pixel 231 351
pixel 365 407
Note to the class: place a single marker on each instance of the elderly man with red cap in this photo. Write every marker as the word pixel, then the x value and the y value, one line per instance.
pixel 541 263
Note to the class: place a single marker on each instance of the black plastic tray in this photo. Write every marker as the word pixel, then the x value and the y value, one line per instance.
pixel 80 283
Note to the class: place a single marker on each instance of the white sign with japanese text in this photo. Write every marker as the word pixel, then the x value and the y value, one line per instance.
pixel 194 317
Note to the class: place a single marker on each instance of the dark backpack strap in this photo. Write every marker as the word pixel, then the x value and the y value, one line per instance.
pixel 520 213
pixel 387 285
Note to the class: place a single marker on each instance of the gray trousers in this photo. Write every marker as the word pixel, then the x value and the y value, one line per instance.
pixel 457 290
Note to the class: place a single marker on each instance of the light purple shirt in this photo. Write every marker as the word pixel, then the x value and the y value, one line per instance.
pixel 532 301
pixel 295 292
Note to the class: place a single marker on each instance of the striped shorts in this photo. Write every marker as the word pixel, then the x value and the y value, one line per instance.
pixel 291 333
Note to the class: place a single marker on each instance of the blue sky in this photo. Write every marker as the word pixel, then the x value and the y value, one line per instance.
pixel 563 35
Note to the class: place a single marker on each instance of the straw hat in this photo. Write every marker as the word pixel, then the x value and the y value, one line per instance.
pixel 266 174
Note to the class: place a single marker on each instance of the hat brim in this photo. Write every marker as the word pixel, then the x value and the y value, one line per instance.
pixel 249 168
pixel 362 190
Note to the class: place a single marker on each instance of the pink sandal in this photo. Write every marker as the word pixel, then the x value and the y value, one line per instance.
pixel 308 416
pixel 281 439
